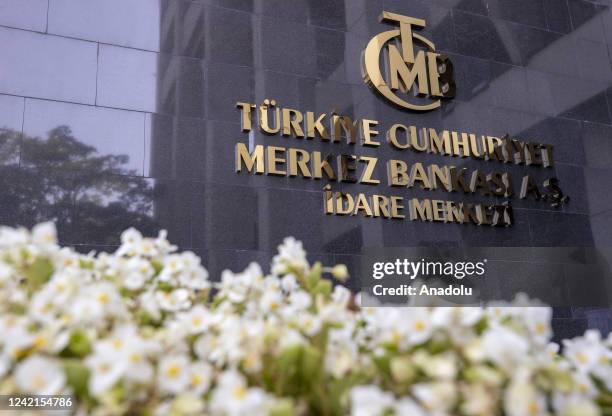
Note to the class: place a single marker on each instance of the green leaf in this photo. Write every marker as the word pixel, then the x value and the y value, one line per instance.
pixel 38 273
pixel 79 344
pixel 314 277
pixel 86 264
pixel 311 365
pixel 282 407
pixel 77 376
pixel 324 287
pixel 157 266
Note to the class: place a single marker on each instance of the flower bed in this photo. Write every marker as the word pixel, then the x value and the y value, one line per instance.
pixel 144 331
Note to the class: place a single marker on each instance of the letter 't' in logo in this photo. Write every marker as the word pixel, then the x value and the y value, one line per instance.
pixel 420 70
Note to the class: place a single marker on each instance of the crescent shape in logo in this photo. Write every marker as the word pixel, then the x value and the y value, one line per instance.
pixel 373 76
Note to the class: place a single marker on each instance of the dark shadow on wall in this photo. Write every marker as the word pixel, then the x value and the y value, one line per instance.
pixel 91 197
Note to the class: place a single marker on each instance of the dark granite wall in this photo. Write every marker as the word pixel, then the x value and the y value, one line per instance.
pixel 122 112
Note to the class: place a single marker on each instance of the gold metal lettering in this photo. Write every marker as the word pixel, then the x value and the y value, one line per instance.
pixel 320 165
pixel 274 159
pixel 392 136
pixel 368 171
pixel 397 172
pixel 316 126
pixel 344 124
pixel 397 207
pixel 298 160
pixel 367 132
pixel 246 117
pixel 362 205
pixel 264 117
pixel 292 120
pixel 420 209
pixel 250 160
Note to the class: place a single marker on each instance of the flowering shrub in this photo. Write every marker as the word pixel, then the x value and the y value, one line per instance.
pixel 144 331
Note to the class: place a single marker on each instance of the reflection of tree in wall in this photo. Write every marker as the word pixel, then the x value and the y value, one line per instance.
pixel 91 197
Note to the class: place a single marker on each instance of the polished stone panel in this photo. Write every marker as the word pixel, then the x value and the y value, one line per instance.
pixel 597 141
pixel 97 136
pixel 478 36
pixel 24 14
pixel 229 36
pixel 42 66
pixel 133 23
pixel 183 28
pixel 290 47
pixel 527 12
pixel 557 15
pixel 127 78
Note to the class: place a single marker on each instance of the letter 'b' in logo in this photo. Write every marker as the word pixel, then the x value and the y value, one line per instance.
pixel 428 75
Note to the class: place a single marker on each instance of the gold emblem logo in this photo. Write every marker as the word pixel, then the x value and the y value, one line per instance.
pixel 417 78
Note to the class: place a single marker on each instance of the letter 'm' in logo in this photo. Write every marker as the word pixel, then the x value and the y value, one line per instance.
pixel 410 65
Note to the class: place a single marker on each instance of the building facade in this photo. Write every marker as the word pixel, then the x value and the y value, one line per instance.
pixel 118 113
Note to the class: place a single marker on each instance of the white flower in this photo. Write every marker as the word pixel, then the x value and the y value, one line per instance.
pixel 5 364
pixel 289 283
pixel 198 319
pixel 291 255
pixel 106 370
pixel 137 272
pixel 6 273
pixel 232 397
pixel 575 405
pixel 13 237
pixel 44 234
pixel 587 352
pixel 299 301
pixel 478 399
pixel 309 323
pixel 173 375
pixel 98 300
pixel 370 401
pixel 435 397
pixel 440 366
pixel 173 301
pixel 504 347
pixel 200 376
pixel 291 337
pixel 408 407
pixel 39 375
pixel 341 296
pixel 522 398
pixel 130 241
pixel 236 286
pixel 537 320
pixel 271 301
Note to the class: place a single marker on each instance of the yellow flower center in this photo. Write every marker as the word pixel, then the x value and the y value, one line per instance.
pixel 533 408
pixel 103 298
pixel 582 358
pixel 38 382
pixel 419 326
pixel 40 341
pixel 240 393
pixel 196 379
pixel 173 371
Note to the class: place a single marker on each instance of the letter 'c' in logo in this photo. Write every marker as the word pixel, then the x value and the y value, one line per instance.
pixel 424 72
